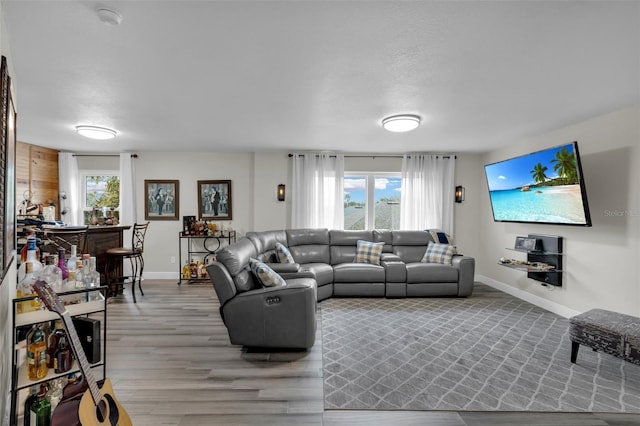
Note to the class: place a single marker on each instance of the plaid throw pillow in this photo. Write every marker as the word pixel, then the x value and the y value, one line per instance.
pixel 439 253
pixel 283 254
pixel 368 252
pixel 265 275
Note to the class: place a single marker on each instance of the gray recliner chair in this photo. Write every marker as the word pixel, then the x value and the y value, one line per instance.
pixel 256 316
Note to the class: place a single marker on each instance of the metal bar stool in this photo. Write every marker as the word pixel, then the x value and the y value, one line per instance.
pixel 134 254
pixel 57 238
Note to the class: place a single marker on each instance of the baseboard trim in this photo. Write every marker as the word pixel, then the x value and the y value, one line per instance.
pixel 543 303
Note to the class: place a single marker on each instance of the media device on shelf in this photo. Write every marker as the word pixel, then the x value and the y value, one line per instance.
pixel 541 187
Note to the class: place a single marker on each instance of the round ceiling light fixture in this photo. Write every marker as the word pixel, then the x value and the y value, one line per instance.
pixel 401 122
pixel 109 16
pixel 95 132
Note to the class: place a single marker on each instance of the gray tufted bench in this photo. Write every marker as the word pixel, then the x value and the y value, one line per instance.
pixel 610 332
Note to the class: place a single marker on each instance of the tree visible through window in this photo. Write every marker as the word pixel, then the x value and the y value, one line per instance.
pixel 101 193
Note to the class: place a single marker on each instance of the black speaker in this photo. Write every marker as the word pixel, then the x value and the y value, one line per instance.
pixel 89 333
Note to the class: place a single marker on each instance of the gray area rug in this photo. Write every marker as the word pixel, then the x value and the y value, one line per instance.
pixel 487 352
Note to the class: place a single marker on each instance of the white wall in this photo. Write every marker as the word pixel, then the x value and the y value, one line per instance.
pixel 601 262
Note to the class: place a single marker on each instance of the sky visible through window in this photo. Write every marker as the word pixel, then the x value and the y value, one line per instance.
pixel 386 187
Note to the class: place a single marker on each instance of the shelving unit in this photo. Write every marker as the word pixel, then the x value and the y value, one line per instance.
pixel 20 382
pixel 210 245
pixel 549 252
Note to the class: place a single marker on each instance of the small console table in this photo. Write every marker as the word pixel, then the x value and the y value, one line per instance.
pixel 203 246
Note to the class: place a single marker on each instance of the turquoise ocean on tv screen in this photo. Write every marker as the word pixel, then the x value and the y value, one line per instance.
pixel 558 204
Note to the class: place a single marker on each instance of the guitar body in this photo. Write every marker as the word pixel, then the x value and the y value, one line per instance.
pixel 90 412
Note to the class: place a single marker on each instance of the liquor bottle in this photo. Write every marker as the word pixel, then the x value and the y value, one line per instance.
pixel 186 270
pixel 37 353
pixel 25 248
pixel 40 413
pixel 72 266
pixel 33 256
pixel 79 274
pixel 62 264
pixel 54 339
pixel 64 355
pixel 94 279
pixel 55 392
pixel 25 289
pixel 52 274
pixel 28 403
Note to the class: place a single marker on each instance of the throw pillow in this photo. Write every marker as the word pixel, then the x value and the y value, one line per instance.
pixel 368 252
pixel 283 254
pixel 439 253
pixel 265 275
pixel 439 236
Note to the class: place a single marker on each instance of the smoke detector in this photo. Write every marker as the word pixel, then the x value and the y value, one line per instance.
pixel 109 16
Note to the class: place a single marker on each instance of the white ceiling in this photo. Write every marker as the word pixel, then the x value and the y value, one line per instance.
pixel 300 75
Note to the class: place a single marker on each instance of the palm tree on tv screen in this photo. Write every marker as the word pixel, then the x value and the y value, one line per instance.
pixel 538 173
pixel 565 166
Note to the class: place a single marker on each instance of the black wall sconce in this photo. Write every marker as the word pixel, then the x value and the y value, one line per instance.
pixel 459 194
pixel 281 192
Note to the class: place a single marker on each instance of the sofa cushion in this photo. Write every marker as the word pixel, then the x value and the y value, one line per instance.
pixel 358 273
pixel 265 275
pixel 439 253
pixel 322 272
pixel 431 273
pixel 283 254
pixel 368 252
pixel 309 245
pixel 439 236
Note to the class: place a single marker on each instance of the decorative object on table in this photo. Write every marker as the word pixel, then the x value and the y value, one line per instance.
pixel 188 223
pixel 161 199
pixel 214 199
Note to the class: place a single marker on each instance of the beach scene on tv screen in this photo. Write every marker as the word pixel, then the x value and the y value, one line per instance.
pixel 540 187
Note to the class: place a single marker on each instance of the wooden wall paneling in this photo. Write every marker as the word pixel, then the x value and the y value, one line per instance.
pixel 37 171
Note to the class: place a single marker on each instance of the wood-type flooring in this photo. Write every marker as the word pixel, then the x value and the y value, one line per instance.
pixel 171 363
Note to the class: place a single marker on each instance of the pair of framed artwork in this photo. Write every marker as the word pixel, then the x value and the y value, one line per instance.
pixel 162 199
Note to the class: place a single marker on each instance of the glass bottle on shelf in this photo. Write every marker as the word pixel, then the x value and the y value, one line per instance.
pixel 33 257
pixel 33 397
pixel 94 279
pixel 52 274
pixel 40 413
pixel 26 248
pixel 63 355
pixel 62 264
pixel 25 289
pixel 52 347
pixel 37 353
pixel 72 266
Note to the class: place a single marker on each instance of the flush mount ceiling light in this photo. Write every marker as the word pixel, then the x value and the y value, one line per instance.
pixel 109 16
pixel 401 123
pixel 95 132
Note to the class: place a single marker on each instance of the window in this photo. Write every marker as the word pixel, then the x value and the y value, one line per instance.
pixel 100 194
pixel 372 200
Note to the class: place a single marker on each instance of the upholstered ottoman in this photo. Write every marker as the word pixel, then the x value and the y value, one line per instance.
pixel 610 332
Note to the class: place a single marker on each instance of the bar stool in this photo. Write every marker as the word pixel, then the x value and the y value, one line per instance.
pixel 57 238
pixel 116 255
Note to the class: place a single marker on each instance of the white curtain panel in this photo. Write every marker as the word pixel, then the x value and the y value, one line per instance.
pixel 427 192
pixel 128 211
pixel 69 185
pixel 318 191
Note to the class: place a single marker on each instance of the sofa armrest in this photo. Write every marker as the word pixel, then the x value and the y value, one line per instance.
pixel 390 257
pixel 284 267
pixel 395 270
pixel 282 316
pixel 466 273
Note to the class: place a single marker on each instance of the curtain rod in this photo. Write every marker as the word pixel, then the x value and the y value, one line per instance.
pixel 384 156
pixel 102 155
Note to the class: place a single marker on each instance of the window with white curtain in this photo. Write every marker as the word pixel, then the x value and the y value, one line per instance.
pixel 100 190
pixel 372 200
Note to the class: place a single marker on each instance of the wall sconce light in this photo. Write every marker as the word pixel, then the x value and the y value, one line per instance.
pixel 459 194
pixel 281 192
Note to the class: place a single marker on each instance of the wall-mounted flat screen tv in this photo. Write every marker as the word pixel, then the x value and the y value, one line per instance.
pixel 541 187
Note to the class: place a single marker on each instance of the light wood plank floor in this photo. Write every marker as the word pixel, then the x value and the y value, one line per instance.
pixel 171 363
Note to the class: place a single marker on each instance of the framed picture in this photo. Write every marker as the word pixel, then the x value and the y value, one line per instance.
pixel 8 170
pixel 214 199
pixel 161 199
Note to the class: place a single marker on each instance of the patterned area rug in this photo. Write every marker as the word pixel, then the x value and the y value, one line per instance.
pixel 487 352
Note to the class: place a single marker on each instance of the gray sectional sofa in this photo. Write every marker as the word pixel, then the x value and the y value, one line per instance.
pixel 284 316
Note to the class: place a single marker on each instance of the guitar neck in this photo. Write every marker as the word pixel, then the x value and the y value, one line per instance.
pixel 85 367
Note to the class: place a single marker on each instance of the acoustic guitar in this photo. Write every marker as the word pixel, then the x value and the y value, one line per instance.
pixel 98 405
